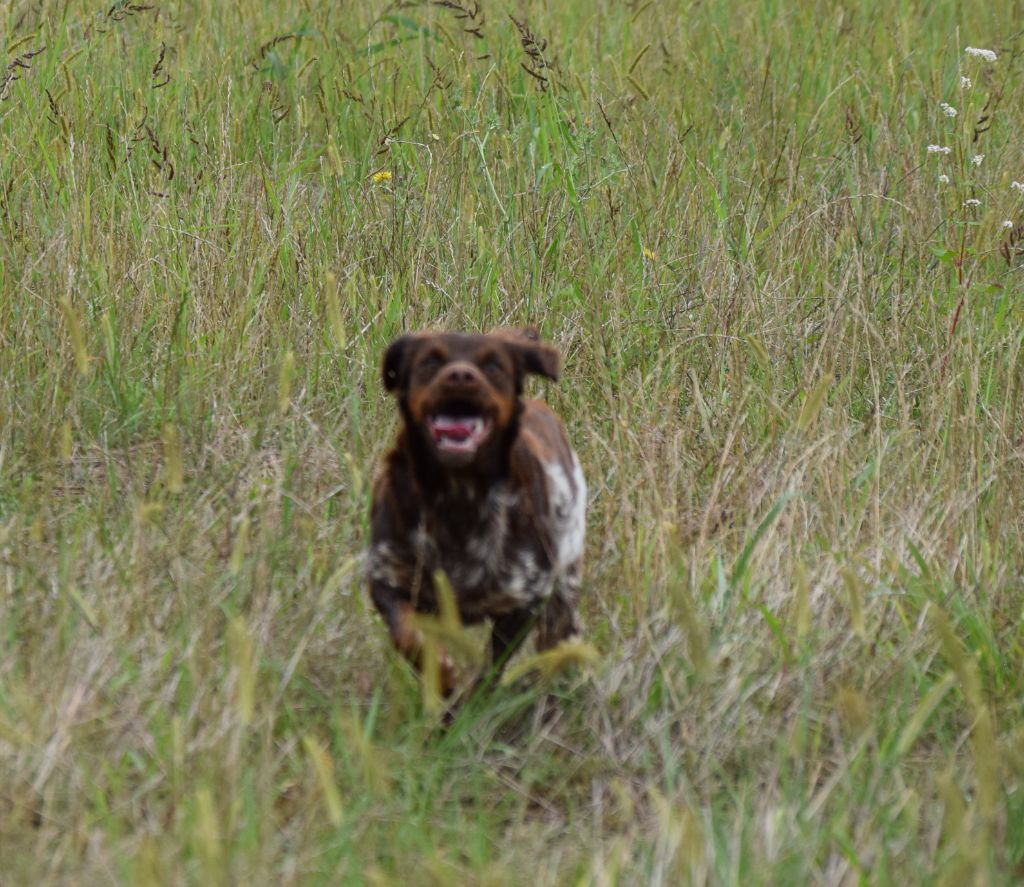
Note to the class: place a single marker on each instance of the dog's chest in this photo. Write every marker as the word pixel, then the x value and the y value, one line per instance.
pixel 494 553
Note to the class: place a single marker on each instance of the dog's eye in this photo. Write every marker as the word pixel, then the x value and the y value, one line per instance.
pixel 492 366
pixel 431 363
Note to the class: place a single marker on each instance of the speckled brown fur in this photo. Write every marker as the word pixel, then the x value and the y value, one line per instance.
pixel 504 522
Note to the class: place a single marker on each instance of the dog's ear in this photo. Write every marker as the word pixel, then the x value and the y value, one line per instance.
pixel 534 356
pixel 395 370
pixel 541 359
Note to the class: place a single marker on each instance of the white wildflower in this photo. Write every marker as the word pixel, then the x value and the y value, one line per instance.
pixel 943 179
pixel 987 54
pixel 965 82
pixel 939 149
pixel 972 202
pixel 1017 186
pixel 948 109
pixel 977 158
pixel 1007 224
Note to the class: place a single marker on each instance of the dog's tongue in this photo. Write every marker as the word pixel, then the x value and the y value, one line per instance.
pixel 455 427
pixel 458 434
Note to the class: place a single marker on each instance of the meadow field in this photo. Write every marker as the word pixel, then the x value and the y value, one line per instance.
pixel 780 247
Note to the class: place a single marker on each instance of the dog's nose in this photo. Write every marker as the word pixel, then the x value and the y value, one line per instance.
pixel 459 374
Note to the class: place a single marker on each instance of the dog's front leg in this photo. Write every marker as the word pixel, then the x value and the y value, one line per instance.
pixel 399 613
pixel 507 635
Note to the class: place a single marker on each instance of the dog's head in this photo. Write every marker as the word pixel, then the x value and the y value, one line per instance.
pixel 460 392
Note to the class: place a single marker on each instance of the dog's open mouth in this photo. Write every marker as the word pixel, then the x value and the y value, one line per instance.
pixel 458 432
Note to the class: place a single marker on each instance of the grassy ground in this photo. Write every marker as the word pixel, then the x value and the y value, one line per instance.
pixel 793 374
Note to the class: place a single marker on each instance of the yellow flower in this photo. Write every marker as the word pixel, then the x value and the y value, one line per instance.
pixel 383 176
pixel 649 254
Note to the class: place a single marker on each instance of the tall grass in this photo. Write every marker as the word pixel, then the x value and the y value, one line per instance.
pixel 793 367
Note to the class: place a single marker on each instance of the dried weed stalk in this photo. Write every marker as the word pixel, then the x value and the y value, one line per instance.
pixel 534 47
pixel 12 71
pixel 160 75
pixel 470 16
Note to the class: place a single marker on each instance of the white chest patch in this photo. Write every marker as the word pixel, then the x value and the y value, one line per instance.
pixel 568 501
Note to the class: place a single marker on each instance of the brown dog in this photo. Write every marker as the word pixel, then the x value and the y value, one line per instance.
pixel 482 485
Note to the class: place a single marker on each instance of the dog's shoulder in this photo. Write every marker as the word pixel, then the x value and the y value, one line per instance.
pixel 542 444
pixel 396 496
pixel 546 475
